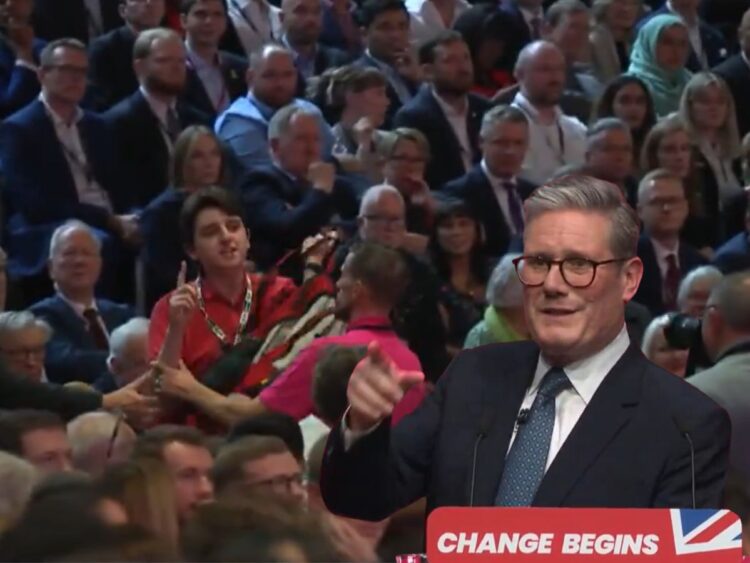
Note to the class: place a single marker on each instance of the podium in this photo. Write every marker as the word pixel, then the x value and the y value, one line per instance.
pixel 552 535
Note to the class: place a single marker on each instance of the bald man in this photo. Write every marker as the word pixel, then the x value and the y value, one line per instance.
pixel 99 439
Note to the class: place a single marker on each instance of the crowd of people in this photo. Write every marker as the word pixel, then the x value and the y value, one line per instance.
pixel 211 209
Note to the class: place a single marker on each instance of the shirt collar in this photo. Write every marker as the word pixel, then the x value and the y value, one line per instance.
pixel 448 109
pixel 495 181
pixel 662 251
pixel 159 108
pixel 79 308
pixel 198 62
pixel 56 119
pixel 530 15
pixel 587 375
pixel 265 110
pixel 297 55
pixel 210 294
pixel 528 108
pixel 374 321
pixel 382 65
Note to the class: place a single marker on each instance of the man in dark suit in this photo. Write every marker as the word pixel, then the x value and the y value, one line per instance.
pixel 79 19
pixel 298 194
pixel 386 37
pixel 81 323
pixel 111 74
pixel 528 22
pixel 214 78
pixel 734 255
pixel 577 417
pixel 663 209
pixel 61 162
pixel 609 155
pixel 302 23
pixel 444 110
pixel 736 71
pixel 492 188
pixel 148 122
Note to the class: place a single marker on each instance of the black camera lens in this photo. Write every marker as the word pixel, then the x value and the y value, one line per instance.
pixel 683 332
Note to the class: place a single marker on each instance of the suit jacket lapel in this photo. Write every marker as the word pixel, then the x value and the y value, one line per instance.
pixel 76 325
pixel 473 124
pixel 196 84
pixel 496 224
pixel 48 135
pixel 608 412
pixel 429 100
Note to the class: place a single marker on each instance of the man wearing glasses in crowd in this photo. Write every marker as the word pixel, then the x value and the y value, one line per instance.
pixel 575 417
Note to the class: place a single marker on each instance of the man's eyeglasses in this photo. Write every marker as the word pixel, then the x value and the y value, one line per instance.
pixel 282 482
pixel 69 70
pixel 577 272
pixel 23 353
pixel 386 221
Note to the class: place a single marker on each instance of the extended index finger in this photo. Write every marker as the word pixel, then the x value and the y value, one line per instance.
pixel 182 275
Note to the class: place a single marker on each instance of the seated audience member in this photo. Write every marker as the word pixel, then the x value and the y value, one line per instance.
pixel 298 194
pixel 301 23
pixel 184 451
pixel 38 437
pixel 662 208
pixel 708 110
pixel 656 348
pixel 734 255
pixel 60 162
pixel 695 289
pixel 609 154
pixel 83 20
pixel 736 73
pixel 627 98
pixel 487 32
pixel 17 480
pixel 23 339
pixel 148 122
pixel 214 78
pixel 493 189
pixel 527 17
pixel 19 57
pixel 271 423
pixel 340 27
pixel 256 22
pixel 658 58
pixel 198 161
pixel 504 319
pixel 98 440
pixel 128 355
pixel 372 281
pixel 385 25
pixel 111 74
pixel 726 337
pixel 707 47
pixel 80 322
pixel 427 19
pixel 146 490
pixel 611 37
pixel 458 255
pixel 444 109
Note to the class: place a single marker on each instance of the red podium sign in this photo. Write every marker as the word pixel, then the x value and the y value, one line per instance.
pixel 474 535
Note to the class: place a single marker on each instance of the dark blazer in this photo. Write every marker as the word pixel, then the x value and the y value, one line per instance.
pixel 395 102
pixel 625 451
pixel 734 255
pixel 281 213
pixel 111 74
pixel 41 192
pixel 142 145
pixel 71 352
pixel 523 31
pixel 736 72
pixel 474 188
pixel 425 114
pixel 53 19
pixel 325 57
pixel 650 291
pixel 234 70
pixel 19 85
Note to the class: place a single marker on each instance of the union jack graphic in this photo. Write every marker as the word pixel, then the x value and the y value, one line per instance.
pixel 701 531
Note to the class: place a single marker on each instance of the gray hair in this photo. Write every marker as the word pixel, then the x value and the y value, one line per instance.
pixel 604 125
pixel 17 480
pixel 259 56
pixel 47 56
pixel 15 321
pixel 144 43
pixel 374 194
pixel 120 337
pixel 591 195
pixel 90 434
pixel 656 326
pixel 64 229
pixel 732 298
pixel 501 114
pixel 504 289
pixel 710 273
pixel 649 179
pixel 282 119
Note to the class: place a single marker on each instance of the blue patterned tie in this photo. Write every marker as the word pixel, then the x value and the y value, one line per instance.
pixel 527 459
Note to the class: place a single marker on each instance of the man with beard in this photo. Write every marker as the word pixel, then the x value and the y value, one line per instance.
pixel 609 155
pixel 445 110
pixel 555 139
pixel 148 122
pixel 272 79
pixel 373 280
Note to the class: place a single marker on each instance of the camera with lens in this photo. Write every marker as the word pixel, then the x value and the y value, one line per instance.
pixel 683 332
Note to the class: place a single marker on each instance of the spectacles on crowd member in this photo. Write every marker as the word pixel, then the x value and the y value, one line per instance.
pixel 282 482
pixel 23 353
pixel 577 272
pixel 386 221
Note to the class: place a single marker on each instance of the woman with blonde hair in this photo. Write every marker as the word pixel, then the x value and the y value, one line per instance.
pixel 612 35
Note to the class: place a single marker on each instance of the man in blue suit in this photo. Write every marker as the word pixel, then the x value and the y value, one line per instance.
pixel 663 209
pixel 444 110
pixel 61 163
pixel 734 255
pixel 80 322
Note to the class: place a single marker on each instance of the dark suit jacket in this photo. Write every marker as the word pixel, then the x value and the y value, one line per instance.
pixel 53 19
pixel 233 68
pixel 142 145
pixel 71 353
pixel 281 213
pixel 325 57
pixel 395 102
pixel 40 190
pixel 625 451
pixel 733 255
pixel 736 72
pixel 650 291
pixel 111 74
pixel 521 37
pixel 474 188
pixel 19 85
pixel 424 114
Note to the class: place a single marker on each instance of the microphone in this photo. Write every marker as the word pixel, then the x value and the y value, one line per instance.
pixel 523 416
pixel 485 421
pixel 686 434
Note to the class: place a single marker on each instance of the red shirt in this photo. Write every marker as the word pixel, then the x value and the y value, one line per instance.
pixel 291 392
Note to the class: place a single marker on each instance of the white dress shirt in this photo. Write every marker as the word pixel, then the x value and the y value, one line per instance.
pixel 502 195
pixel 211 76
pixel 662 252
pixel 88 189
pixel 426 23
pixel 160 110
pixel 79 309
pixel 256 22
pixel 457 121
pixel 585 376
pixel 550 146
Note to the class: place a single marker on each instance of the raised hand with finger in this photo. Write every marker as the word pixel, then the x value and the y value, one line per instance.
pixel 183 301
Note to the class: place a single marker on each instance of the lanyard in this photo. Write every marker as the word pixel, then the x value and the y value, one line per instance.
pixel 221 102
pixel 559 150
pixel 244 317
